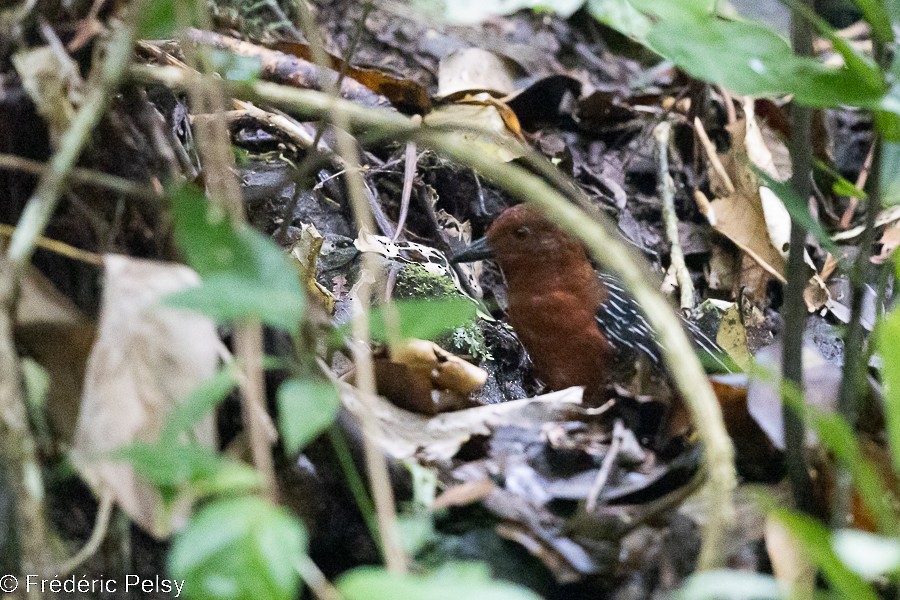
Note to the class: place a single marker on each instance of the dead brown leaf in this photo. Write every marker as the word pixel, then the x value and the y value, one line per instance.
pixel 146 359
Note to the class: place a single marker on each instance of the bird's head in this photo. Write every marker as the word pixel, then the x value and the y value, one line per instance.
pixel 522 236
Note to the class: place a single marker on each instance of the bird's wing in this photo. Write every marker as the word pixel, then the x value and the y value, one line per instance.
pixel 623 322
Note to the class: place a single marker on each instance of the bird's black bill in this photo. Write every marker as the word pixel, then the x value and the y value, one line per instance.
pixel 479 250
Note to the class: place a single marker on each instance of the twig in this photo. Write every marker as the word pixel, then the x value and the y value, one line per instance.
pixel 861 184
pixel 82 176
pixel 666 187
pixel 61 248
pixel 316 580
pixel 101 524
pixel 606 467
pixel 712 155
pixel 376 463
pixel 794 309
pixel 409 173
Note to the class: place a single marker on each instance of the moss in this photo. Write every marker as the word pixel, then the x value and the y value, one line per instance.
pixel 414 281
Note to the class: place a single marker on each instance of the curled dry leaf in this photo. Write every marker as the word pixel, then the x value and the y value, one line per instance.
pixel 306 250
pixel 146 359
pixel 473 70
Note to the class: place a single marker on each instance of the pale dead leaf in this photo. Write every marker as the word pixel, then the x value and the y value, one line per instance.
pixel 890 239
pixel 147 358
pixel 446 371
pixel 790 562
pixel 473 70
pixel 53 82
pixel 464 494
pixel 403 434
pixel 306 250
pixel 732 336
pixel 486 114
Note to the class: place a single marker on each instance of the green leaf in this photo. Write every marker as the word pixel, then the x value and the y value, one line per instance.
pixel 199 403
pixel 621 16
pixel 889 348
pixel 816 540
pixel 234 67
pixel 841 186
pixel 245 275
pixel 158 21
pixel 750 59
pixel 867 554
pixel 799 211
pixel 452 582
pixel 228 297
pixel 416 319
pixel 306 408
pixel 170 465
pixel 239 549
pixel 877 15
pixel 889 175
pixel 838 437
pixel 731 584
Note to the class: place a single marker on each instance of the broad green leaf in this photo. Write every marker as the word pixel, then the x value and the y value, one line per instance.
pixel 734 585
pixel 416 319
pixel 750 59
pixel 452 582
pixel 622 16
pixel 306 408
pixel 889 348
pixel 245 275
pixel 841 186
pixel 815 538
pixel 799 211
pixel 158 21
pixel 475 11
pixel 199 403
pixel 867 554
pixel 681 11
pixel 239 549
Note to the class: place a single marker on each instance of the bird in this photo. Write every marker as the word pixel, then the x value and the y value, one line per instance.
pixel 571 319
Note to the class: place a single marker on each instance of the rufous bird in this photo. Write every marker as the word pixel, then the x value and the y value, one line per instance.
pixel 571 319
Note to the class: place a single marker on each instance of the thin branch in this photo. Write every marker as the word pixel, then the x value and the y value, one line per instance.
pixel 794 309
pixel 606 468
pixel 666 187
pixel 11 162
pixel 101 525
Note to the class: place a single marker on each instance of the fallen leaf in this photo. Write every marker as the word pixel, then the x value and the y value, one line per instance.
pixel 473 70
pixel 147 358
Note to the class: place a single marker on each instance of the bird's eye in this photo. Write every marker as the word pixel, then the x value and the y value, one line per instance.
pixel 522 233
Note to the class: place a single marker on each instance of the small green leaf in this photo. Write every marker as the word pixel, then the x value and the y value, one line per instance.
pixel 889 174
pixel 416 319
pixel 452 582
pixel 158 21
pixel 621 16
pixel 889 348
pixel 170 465
pixel 306 408
pixel 877 16
pixel 245 275
pixel 199 403
pixel 815 538
pixel 234 67
pixel 239 549
pixel 228 297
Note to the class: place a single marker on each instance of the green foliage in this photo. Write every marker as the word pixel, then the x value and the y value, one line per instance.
pixel 199 403
pixel 234 67
pixel 245 275
pixel 836 436
pixel 452 582
pixel 889 346
pixel 306 408
pixel 799 211
pixel 162 18
pixel 816 541
pixel 418 319
pixel 239 549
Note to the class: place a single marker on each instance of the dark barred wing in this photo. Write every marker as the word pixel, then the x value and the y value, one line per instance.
pixel 621 319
